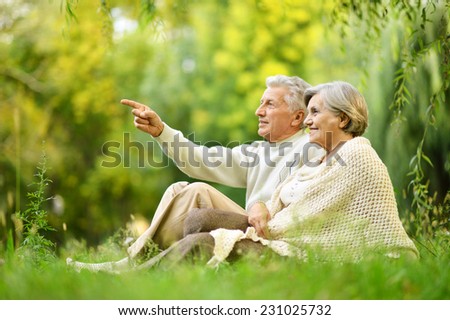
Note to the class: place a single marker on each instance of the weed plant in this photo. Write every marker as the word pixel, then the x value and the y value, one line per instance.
pixel 35 248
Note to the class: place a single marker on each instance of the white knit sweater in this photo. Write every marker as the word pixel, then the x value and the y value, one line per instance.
pixel 259 167
pixel 346 207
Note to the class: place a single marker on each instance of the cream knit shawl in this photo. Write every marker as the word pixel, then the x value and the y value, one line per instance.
pixel 347 209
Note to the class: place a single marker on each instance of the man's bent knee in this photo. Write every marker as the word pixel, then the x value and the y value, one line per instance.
pixel 198 187
pixel 176 187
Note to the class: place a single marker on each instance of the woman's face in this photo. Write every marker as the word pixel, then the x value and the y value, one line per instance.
pixel 324 126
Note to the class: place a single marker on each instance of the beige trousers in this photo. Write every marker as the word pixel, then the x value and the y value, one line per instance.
pixel 180 198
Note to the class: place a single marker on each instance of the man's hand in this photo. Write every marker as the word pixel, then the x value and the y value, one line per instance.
pixel 145 119
pixel 258 216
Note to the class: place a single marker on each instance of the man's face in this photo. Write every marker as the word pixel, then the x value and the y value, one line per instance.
pixel 276 122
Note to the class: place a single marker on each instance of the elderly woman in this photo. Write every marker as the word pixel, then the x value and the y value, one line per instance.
pixel 340 206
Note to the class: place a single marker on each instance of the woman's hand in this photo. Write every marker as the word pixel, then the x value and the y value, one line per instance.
pixel 258 216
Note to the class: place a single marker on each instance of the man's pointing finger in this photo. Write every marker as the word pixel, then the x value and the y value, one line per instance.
pixel 133 104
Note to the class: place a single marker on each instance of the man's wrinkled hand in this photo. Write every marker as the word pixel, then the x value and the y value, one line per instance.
pixel 145 118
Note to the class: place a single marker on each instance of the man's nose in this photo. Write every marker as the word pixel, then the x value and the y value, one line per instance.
pixel 260 111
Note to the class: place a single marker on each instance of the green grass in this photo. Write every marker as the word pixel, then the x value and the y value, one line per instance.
pixel 272 279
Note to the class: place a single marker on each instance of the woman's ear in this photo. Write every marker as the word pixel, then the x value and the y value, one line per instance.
pixel 345 121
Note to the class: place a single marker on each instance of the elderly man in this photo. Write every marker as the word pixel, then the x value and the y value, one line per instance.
pixel 258 167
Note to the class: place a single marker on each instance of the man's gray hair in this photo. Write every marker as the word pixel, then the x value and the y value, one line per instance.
pixel 341 97
pixel 296 89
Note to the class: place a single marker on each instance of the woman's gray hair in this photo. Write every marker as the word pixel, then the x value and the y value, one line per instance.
pixel 296 89
pixel 341 97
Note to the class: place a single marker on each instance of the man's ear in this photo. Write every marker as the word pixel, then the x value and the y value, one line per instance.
pixel 345 121
pixel 299 116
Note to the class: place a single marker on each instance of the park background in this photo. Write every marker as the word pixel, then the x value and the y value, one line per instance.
pixel 202 65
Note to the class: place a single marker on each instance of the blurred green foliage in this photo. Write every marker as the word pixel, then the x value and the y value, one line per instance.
pixel 201 65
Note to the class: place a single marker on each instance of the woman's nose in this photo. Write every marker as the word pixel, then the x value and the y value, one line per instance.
pixel 308 121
